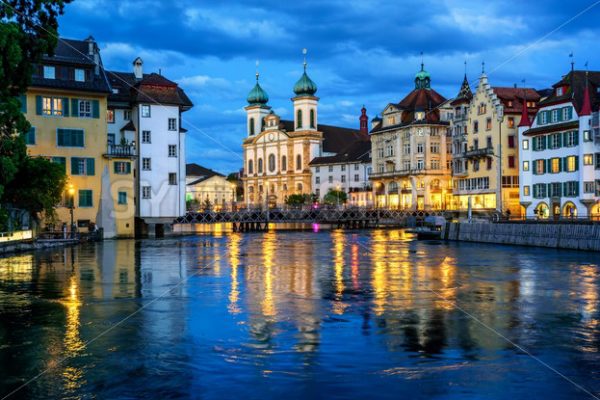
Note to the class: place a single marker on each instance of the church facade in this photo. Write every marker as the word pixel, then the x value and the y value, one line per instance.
pixel 277 153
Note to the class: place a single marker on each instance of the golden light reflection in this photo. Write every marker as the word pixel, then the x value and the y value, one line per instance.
pixel 72 376
pixel 339 242
pixel 589 297
pixel 234 262
pixel 379 279
pixel 268 304
pixel 355 263
pixel 447 290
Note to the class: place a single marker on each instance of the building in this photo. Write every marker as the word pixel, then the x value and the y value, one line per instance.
pixel 66 105
pixel 145 135
pixel 458 127
pixel 206 188
pixel 277 153
pixel 411 150
pixel 486 170
pixel 560 150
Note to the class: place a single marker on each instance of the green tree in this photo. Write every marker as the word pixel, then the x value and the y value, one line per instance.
pixel 297 199
pixel 335 197
pixel 28 30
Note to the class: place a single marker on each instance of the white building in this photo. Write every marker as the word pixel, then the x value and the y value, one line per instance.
pixel 560 171
pixel 146 110
pixel 208 189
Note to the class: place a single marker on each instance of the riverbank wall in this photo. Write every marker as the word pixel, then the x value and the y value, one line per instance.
pixel 559 236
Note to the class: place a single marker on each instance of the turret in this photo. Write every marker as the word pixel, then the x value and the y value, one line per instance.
pixel 364 120
pixel 257 109
pixel 305 102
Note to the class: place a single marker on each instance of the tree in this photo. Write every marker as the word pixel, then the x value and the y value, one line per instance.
pixel 335 197
pixel 297 199
pixel 28 30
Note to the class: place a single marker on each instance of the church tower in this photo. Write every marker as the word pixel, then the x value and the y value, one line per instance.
pixel 257 109
pixel 305 103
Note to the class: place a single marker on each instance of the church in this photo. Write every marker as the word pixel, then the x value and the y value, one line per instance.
pixel 277 153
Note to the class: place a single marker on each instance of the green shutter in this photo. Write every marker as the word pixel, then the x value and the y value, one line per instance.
pixel 576 163
pixel 570 112
pixel 23 100
pixel 74 166
pixel 65 101
pixel 79 141
pixel 576 134
pixel 90 167
pixel 548 166
pixel 75 107
pixel 128 167
pixel 560 141
pixel 38 105
pixel 95 109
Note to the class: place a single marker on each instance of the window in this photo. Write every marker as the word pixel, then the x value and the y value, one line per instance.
pixel 172 178
pixel 566 113
pixel 298 162
pixel 145 111
pixel 476 165
pixel 29 137
pixel 475 126
pixel 51 106
pixel 356 167
pixel 511 122
pixel 571 189
pixel 435 148
pixel 260 166
pixel 85 109
pixel 587 136
pixel 559 91
pixel 79 75
pixel 250 167
pixel 343 167
pixel 331 168
pixel 571 163
pixel 127 115
pixel 589 187
pixel 435 164
pixel 172 124
pixel 272 163
pixel 539 143
pixel 343 178
pixel 69 137
pixel 482 108
pixel 555 141
pixel 475 144
pixel 526 190
pixel 82 166
pixel 146 192
pixel 542 120
pixel 555 189
pixel 122 198
pixel 330 179
pixel 525 144
pixel 317 169
pixel 146 164
pixel 588 159
pixel 299 119
pixel 172 150
pixel 122 167
pixel 488 142
pixel 511 162
pixel 406 148
pixel 540 167
pixel 571 138
pixel 488 124
pixel 420 148
pixel 284 164
pixel 62 161
pixel 318 180
pixel 312 119
pixel 356 177
pixel 597 166
pixel 251 126
pixel 489 163
pixel 49 72
pixel 511 141
pixel 110 116
pixel 420 164
pixel 555 165
pixel 146 137
pixel 86 198
pixel 525 165
pixel 554 116
pixel 539 190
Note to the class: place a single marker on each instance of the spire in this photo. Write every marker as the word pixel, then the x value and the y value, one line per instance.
pixel 305 86
pixel 586 107
pixel 525 121
pixel 257 95
pixel 364 120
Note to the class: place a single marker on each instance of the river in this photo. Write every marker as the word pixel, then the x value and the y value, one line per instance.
pixel 300 315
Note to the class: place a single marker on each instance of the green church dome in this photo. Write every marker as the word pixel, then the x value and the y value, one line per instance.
pixel 257 95
pixel 305 86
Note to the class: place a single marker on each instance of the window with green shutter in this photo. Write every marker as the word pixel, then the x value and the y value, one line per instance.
pixel 83 166
pixel 29 136
pixel 23 100
pixel 75 107
pixel 122 167
pixel 95 109
pixel 62 161
pixel 85 198
pixel 69 137
pixel 122 197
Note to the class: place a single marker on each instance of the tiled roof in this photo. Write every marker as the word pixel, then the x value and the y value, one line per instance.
pixel 464 94
pixel 152 88
pixel 575 81
pixel 199 171
pixel 421 100
pixel 335 138
pixel 357 151
pixel 130 126
pixel 515 95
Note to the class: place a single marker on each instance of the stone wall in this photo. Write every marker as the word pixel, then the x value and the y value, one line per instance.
pixel 563 236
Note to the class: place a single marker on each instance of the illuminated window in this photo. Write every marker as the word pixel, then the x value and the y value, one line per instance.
pixel 588 159
pixel 526 190
pixel 525 144
pixel 571 163
pixel 49 72
pixel 79 75
pixel 525 165
pixel 110 116
pixel 555 165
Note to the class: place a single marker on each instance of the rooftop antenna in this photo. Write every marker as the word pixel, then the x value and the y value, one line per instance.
pixel 304 51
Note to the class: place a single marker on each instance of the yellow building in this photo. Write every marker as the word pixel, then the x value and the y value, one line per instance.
pixel 66 105
pixel 205 185
pixel 486 168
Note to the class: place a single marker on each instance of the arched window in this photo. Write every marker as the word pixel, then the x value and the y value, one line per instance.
pixel 251 126
pixel 299 187
pixel 312 118
pixel 283 163
pixel 250 167
pixel 271 162
pixel 260 166
pixel 299 119
pixel 262 125
pixel 298 162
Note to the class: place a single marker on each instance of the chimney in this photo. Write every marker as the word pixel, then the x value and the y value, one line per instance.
pixel 137 68
pixel 93 53
pixel 364 121
pixel 91 45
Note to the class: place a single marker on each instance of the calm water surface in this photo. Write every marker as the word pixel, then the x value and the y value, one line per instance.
pixel 370 314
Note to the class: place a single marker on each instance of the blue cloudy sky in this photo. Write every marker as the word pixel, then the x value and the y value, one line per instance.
pixel 360 52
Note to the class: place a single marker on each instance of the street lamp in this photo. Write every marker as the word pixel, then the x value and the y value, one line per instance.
pixel 71 192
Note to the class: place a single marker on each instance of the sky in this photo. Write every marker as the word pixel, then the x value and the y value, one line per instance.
pixel 360 52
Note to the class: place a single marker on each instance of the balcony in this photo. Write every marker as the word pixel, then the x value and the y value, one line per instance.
pixel 120 151
pixel 479 153
pixel 406 172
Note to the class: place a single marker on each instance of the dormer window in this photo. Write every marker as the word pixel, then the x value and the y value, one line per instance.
pixel 391 120
pixel 560 91
pixel 419 115
pixel 79 75
pixel 510 103
pixel 49 72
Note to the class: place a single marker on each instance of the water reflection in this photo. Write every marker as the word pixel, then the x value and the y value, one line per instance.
pixel 331 313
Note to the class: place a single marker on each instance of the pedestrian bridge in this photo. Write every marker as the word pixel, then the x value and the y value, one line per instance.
pixel 243 220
